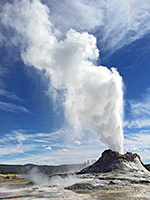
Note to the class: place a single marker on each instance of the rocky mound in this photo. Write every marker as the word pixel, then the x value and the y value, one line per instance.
pixel 112 160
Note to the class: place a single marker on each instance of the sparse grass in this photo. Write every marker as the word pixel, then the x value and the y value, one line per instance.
pixel 12 179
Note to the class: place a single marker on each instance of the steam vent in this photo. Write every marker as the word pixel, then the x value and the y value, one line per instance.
pixel 112 160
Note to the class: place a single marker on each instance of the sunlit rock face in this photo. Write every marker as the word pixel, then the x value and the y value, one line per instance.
pixel 112 160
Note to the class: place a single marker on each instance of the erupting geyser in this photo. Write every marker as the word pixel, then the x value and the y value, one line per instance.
pixel 93 95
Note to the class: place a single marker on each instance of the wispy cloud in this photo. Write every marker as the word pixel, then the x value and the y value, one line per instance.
pixel 20 146
pixel 7 94
pixel 27 135
pixel 143 107
pixel 132 148
pixel 139 123
pixel 55 157
pixel 140 112
pixel 140 139
pixel 138 143
pixel 116 22
pixel 10 107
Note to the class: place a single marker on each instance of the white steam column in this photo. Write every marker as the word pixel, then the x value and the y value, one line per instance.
pixel 93 95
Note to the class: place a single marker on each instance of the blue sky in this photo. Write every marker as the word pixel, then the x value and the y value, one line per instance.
pixel 33 127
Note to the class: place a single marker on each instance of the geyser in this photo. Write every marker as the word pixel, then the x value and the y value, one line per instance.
pixel 93 95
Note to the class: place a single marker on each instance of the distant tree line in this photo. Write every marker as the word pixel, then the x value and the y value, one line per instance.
pixel 25 169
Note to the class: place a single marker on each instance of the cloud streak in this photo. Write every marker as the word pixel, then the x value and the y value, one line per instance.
pixel 10 107
pixel 116 23
pixel 138 142
pixel 9 95
pixel 20 146
pixel 140 112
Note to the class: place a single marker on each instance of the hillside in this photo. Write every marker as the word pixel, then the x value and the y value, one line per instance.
pixel 24 169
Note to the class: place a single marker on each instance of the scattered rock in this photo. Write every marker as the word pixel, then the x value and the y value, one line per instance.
pixel 111 183
pixel 30 184
pixel 81 186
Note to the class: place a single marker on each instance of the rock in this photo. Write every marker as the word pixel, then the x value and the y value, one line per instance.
pixel 112 160
pixel 147 167
pixel 81 186
pixel 144 181
pixel 111 183
pixel 30 184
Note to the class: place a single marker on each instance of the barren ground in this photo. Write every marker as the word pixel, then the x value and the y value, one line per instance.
pixel 107 186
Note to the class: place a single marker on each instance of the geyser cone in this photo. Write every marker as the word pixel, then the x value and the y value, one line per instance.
pixel 112 160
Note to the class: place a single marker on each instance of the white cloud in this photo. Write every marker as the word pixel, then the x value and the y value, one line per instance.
pixel 48 148
pixel 10 107
pixel 141 108
pixel 29 136
pixel 139 143
pixel 63 150
pixel 20 146
pixel 79 14
pixel 8 149
pixel 19 136
pixel 140 139
pixel 131 148
pixel 72 155
pixel 140 112
pixel 77 142
pixel 116 22
pixel 139 123
pixel 146 150
pixel 7 94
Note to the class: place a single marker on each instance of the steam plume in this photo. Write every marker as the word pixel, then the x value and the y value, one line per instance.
pixel 93 94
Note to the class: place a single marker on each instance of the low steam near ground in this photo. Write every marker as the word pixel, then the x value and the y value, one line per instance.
pixel 40 178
